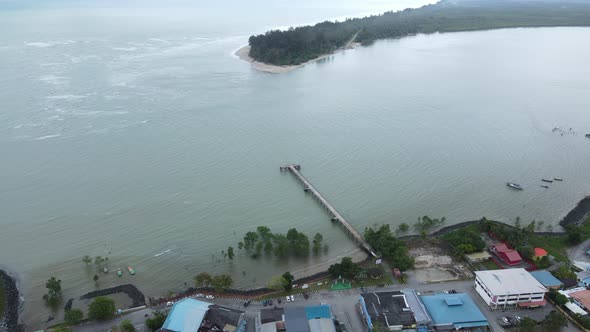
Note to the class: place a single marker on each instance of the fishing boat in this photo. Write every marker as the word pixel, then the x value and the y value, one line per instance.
pixel 558 179
pixel 546 180
pixel 514 185
pixel 544 186
pixel 131 270
pixel 119 273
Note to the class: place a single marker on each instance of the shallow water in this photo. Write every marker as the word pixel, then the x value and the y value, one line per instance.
pixel 158 147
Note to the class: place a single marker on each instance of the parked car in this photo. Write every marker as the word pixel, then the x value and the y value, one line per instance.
pixel 306 296
pixel 209 297
pixel 247 303
pixel 269 301
pixel 169 303
pixel 518 318
pixel 288 298
pixel 505 320
pixel 279 300
pixel 264 303
pixel 200 295
pixel 292 298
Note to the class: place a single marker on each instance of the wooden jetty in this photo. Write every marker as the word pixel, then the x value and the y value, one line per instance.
pixel 336 217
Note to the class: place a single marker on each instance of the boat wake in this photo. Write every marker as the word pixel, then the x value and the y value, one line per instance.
pixel 163 252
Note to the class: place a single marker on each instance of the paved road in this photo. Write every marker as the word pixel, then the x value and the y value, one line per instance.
pixel 578 254
pixel 137 318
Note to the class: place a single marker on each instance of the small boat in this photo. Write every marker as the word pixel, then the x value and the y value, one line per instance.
pixel 544 186
pixel 558 179
pixel 119 273
pixel 587 135
pixel 131 270
pixel 546 180
pixel 105 270
pixel 514 185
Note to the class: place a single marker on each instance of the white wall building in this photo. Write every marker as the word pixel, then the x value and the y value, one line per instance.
pixel 509 287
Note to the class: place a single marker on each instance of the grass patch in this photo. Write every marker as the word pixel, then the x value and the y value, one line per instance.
pixel 556 246
pixel 490 265
pixel 2 298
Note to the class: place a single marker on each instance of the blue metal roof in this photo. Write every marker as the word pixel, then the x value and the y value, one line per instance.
pixel 546 278
pixel 318 311
pixel 186 315
pixel 446 310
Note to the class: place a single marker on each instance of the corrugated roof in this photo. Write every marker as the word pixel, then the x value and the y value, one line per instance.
pixel 583 297
pixel 186 315
pixel 546 278
pixel 318 311
pixel 575 308
pixel 443 314
pixel 540 252
pixel 417 307
pixel 510 281
pixel 321 325
pixel 296 319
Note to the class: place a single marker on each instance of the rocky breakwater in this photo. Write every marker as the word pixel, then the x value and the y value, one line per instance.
pixel 9 321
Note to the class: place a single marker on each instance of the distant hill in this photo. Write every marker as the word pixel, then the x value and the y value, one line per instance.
pixel 298 45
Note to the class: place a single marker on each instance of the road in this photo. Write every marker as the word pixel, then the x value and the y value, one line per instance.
pixel 578 254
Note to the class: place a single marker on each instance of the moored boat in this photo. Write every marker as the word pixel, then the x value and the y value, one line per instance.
pixel 514 185
pixel 547 180
pixel 119 273
pixel 131 270
pixel 558 179
pixel 544 186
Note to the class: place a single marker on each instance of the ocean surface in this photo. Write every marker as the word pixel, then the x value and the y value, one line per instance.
pixel 138 134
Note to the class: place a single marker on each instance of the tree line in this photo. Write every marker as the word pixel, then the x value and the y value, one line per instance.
pixel 294 243
pixel 298 45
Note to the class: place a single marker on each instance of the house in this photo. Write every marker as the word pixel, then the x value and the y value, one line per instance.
pixel 509 256
pixel 581 298
pixel 316 318
pixel 575 309
pixel 583 278
pixel 455 312
pixel 389 309
pixel 478 257
pixel 190 315
pixel 547 279
pixel 509 287
pixel 539 253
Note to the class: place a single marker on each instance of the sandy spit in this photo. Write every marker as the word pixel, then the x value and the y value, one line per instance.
pixel 242 53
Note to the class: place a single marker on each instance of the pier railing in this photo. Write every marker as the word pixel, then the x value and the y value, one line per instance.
pixel 336 216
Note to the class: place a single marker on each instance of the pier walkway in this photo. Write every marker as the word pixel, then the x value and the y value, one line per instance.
pixel 336 217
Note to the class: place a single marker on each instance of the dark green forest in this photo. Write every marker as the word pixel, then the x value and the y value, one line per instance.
pixel 298 45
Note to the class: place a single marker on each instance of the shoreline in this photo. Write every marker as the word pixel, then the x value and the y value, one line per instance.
pixel 243 54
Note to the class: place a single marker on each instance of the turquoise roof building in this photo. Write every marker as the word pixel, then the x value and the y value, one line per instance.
pixel 186 316
pixel 454 311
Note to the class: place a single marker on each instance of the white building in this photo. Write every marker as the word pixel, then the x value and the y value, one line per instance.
pixel 509 287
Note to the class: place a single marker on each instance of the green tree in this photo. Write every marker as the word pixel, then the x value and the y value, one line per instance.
pixel 277 283
pixel 526 252
pixel 127 326
pixel 53 296
pixel 289 278
pixel 390 247
pixel 558 298
pixel 264 232
pixel 281 245
pixel 563 272
pixel 101 308
pixel 250 240
pixel 221 282
pixel 317 243
pixel 464 248
pixel 425 224
pixel 554 321
pixel 98 261
pixel 61 329
pixel 346 269
pixel 155 322
pixel 73 316
pixel 240 245
pixel 87 260
pixel 402 228
pixel 95 278
pixel 203 279
pixel 230 253
pixel 299 242
pixel 527 324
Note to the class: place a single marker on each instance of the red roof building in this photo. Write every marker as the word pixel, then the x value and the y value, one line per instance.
pixel 539 253
pixel 509 256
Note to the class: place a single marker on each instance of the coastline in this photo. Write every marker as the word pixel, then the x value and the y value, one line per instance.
pixel 243 54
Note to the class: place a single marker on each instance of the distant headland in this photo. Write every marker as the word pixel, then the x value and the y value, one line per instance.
pixel 279 51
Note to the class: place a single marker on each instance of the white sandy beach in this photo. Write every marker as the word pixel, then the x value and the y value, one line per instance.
pixel 242 53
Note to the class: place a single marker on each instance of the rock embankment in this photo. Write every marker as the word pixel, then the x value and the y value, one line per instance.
pixel 9 322
pixel 136 296
pixel 578 214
